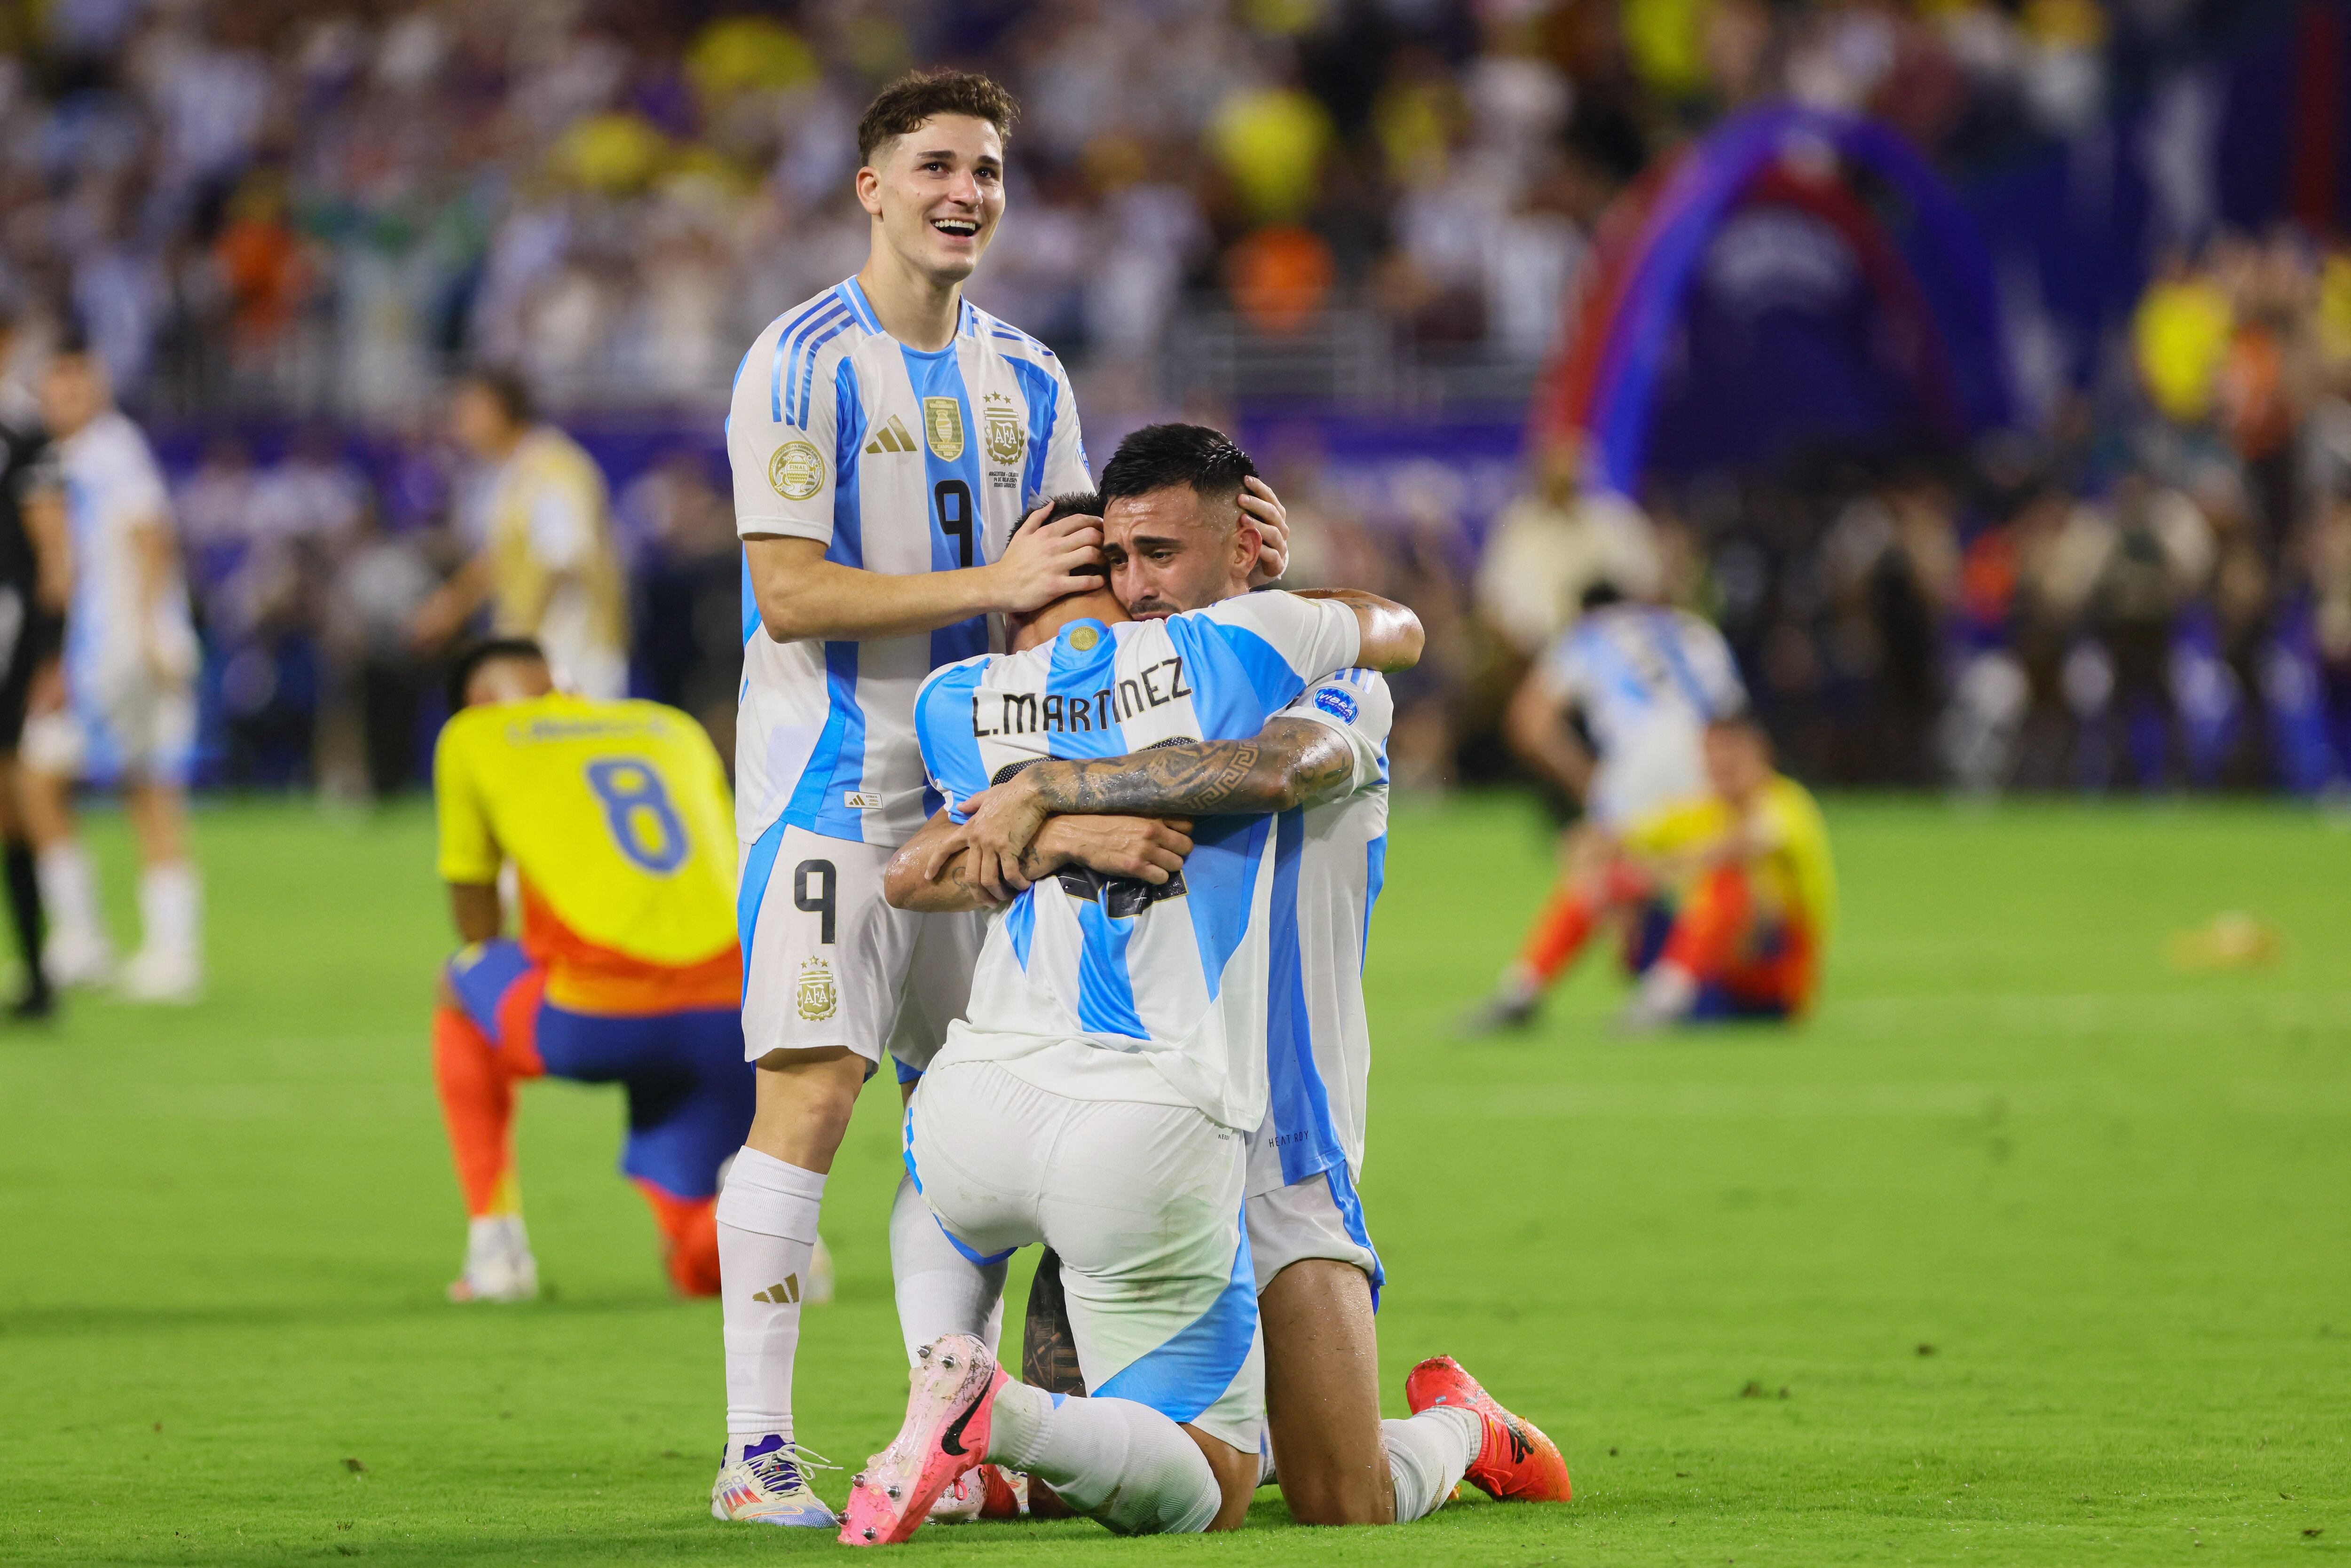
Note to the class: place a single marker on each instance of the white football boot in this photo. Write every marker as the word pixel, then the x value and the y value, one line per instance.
pixel 77 957
pixel 767 1483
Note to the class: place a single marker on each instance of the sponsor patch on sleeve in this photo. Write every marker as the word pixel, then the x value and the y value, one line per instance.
pixel 1333 701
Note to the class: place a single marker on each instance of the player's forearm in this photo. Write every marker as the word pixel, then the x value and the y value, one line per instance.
pixel 45 524
pixel 802 595
pixel 951 892
pixel 1533 726
pixel 475 910
pixel 1289 763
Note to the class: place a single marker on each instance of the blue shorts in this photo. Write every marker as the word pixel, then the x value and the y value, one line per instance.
pixel 690 1091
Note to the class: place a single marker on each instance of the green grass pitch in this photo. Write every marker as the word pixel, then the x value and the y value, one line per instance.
pixel 2028 1249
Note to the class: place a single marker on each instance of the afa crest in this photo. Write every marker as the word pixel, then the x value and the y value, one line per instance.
pixel 943 427
pixel 816 995
pixel 1008 437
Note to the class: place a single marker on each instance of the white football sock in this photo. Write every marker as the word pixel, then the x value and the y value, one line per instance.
pixel 1122 1464
pixel 1427 1455
pixel 171 909
pixel 766 1234
pixel 940 1290
pixel 69 890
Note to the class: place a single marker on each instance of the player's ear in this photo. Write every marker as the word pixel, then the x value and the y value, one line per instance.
pixel 869 186
pixel 1248 544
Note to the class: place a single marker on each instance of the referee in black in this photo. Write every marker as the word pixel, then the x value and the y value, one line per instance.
pixel 36 576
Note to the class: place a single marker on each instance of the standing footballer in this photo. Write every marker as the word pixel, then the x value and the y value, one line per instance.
pixel 886 436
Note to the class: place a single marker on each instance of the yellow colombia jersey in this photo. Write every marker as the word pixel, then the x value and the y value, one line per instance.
pixel 1794 877
pixel 616 817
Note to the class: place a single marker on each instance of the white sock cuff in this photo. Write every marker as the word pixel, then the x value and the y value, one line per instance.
pixel 769 1197
pixel 1427 1455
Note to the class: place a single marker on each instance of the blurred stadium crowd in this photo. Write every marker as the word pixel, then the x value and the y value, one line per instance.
pixel 286 225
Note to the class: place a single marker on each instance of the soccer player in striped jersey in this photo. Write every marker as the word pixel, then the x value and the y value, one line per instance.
pixel 1175 544
pixel 886 436
pixel 1613 713
pixel 1098 1097
pixel 130 660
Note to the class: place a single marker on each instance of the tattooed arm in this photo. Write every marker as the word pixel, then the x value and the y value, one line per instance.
pixel 932 872
pixel 1290 762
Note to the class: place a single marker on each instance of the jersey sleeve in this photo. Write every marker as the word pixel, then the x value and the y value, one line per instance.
pixel 142 495
pixel 944 730
pixel 1306 638
pixel 1066 471
pixel 1563 666
pixel 1358 704
pixel 469 853
pixel 784 434
pixel 1716 670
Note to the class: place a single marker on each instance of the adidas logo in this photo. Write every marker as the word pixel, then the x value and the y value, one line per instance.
pixel 892 438
pixel 781 1295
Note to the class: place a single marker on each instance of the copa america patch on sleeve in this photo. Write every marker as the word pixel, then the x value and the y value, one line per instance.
pixel 1338 703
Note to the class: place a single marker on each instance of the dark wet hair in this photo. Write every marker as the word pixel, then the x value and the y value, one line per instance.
pixel 1160 455
pixel 488 650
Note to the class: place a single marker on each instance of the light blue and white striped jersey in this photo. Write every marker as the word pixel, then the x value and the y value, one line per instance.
pixel 1177 973
pixel 1329 862
pixel 113 488
pixel 1629 666
pixel 899 461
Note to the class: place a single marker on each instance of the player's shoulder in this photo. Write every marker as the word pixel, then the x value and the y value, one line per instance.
pixel 949 682
pixel 1001 338
pixel 1790 796
pixel 780 371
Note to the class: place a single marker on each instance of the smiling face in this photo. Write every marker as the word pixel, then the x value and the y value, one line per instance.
pixel 936 194
pixel 1173 549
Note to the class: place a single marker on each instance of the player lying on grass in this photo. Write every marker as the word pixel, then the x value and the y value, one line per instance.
pixel 615 821
pixel 1612 715
pixel 1096 1096
pixel 1175 540
pixel 1753 890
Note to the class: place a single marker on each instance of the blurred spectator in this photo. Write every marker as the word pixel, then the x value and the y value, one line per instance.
pixel 310 217
pixel 1550 544
pixel 546 566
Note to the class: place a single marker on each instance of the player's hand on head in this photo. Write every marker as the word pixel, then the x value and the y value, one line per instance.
pixel 1043 560
pixel 1264 508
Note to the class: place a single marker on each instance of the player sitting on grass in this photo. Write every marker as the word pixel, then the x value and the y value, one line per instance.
pixel 615 819
pixel 1175 540
pixel 1749 860
pixel 1096 1096
pixel 1612 715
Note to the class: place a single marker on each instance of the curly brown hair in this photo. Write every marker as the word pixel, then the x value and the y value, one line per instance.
pixel 919 96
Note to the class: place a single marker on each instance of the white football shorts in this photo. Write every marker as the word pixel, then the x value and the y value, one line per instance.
pixel 130 728
pixel 1142 1201
pixel 1307 1220
pixel 827 962
pixel 1654 766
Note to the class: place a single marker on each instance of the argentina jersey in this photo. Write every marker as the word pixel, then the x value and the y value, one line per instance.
pixel 1329 861
pixel 1627 666
pixel 1176 973
pixel 898 461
